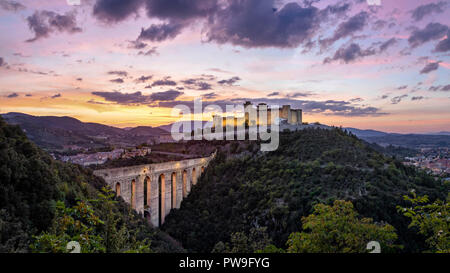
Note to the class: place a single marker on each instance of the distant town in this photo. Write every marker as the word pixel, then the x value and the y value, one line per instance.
pixel 87 159
pixel 436 160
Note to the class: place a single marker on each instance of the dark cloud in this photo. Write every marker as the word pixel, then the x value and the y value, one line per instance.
pixel 398 99
pixel 209 96
pixel 424 10
pixel 434 88
pixel 56 96
pixel 402 87
pixel 417 98
pixel 165 82
pixel 11 5
pixel 28 95
pixel 256 23
pixel 79 79
pixel 429 67
pixel 443 45
pixel 113 11
pixel 169 95
pixel 387 44
pixel 350 53
pixel 180 9
pixel 138 97
pixel 177 14
pixel 299 94
pixel 345 29
pixel 2 62
pixel 432 31
pixel 204 86
pixel 161 32
pixel 137 44
pixel 152 51
pixel 143 79
pixel 273 94
pixel 357 100
pixel 229 81
pixel 43 23
pixel 198 84
pixel 338 9
pixel 379 24
pixel 12 95
pixel 118 73
pixel 444 88
pixel 118 80
pixel 123 98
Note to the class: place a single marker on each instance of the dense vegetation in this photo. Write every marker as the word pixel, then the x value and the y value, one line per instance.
pixel 273 191
pixel 43 203
pixel 338 229
pixel 395 151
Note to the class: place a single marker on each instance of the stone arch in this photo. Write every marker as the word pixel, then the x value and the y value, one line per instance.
pixel 161 199
pixel 118 189
pixel 194 177
pixel 147 191
pixel 133 194
pixel 203 169
pixel 185 183
pixel 174 190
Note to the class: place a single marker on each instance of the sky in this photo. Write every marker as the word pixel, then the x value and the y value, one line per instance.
pixel 369 64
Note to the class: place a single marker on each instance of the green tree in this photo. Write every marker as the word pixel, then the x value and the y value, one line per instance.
pixel 338 229
pixel 432 220
pixel 95 227
pixel 256 241
pixel 78 223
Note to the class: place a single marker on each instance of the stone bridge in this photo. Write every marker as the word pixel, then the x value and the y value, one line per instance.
pixel 155 189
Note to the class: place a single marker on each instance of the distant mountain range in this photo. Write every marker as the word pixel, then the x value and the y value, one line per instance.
pixel 439 139
pixel 61 133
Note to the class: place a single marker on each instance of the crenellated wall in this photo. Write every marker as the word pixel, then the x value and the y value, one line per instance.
pixel 162 193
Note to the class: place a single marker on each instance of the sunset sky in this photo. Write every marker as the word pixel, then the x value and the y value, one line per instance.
pixel 127 63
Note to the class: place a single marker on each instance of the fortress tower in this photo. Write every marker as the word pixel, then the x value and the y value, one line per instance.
pixel 292 116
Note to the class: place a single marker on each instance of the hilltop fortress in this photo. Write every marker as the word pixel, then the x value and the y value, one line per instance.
pixel 286 115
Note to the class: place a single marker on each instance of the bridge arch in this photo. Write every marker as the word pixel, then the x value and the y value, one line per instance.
pixel 147 191
pixel 161 199
pixel 174 190
pixel 194 178
pixel 118 189
pixel 133 193
pixel 184 183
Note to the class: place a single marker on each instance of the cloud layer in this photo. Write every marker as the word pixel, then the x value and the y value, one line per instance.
pixel 43 23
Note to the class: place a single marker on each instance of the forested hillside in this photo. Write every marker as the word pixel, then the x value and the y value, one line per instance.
pixel 45 203
pixel 270 192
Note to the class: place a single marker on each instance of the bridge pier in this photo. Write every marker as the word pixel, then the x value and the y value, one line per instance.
pixel 179 189
pixel 154 189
